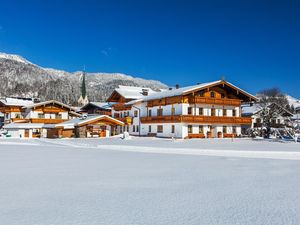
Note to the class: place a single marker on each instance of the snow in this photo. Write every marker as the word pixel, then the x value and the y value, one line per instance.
pixel 23 126
pixel 14 57
pixel 293 101
pixel 52 182
pixel 181 91
pixel 131 92
pixel 16 102
pixel 70 124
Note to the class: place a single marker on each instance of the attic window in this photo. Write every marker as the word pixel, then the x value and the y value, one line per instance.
pixel 212 94
pixel 201 93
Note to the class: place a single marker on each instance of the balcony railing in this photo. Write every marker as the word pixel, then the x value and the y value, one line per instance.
pixel 215 101
pixel 39 120
pixel 121 106
pixel 197 119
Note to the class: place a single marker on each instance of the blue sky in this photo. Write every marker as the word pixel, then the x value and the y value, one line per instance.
pixel 254 44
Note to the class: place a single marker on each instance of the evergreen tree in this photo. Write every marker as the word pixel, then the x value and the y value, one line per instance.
pixel 83 87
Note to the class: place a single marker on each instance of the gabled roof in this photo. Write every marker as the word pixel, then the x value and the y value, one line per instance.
pixel 15 102
pixel 187 90
pixel 129 92
pixel 256 108
pixel 23 126
pixel 49 103
pixel 71 124
pixel 100 105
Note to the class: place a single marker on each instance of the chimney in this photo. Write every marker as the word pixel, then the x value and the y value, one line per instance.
pixel 170 88
pixel 145 92
pixel 177 86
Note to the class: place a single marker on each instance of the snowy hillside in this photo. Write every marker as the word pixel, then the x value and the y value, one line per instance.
pixel 20 77
pixel 293 101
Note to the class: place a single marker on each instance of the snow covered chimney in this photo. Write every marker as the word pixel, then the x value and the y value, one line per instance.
pixel 177 86
pixel 145 92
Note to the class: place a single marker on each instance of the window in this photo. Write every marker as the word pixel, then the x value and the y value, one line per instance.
pixel 258 120
pixel 149 129
pixel 201 93
pixel 224 112
pixel 149 112
pixel 224 130
pixel 234 129
pixel 200 111
pixel 41 116
pixel 212 94
pixel 190 129
pixel 159 112
pixel 200 129
pixel 159 129
pixel 121 114
pixel 213 112
pixel 278 121
pixel 222 95
pixel 173 129
pixel 58 116
pixel 137 128
pixel 133 128
pixel 233 112
pixel 135 113
pixel 116 115
pixel 190 110
pixel 173 111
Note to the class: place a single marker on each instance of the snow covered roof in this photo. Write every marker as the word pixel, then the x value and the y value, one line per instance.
pixel 103 105
pixel 70 124
pixel 49 102
pixel 250 109
pixel 184 90
pixel 130 92
pixel 23 126
pixel 16 102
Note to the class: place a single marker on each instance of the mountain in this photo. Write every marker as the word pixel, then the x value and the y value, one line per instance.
pixel 20 77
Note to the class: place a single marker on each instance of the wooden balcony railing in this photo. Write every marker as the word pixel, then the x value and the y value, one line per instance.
pixel 39 120
pixel 215 101
pixel 121 106
pixel 197 119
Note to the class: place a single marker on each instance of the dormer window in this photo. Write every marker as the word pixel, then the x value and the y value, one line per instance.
pixel 212 94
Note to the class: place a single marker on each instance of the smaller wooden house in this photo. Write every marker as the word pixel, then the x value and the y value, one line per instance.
pixel 86 126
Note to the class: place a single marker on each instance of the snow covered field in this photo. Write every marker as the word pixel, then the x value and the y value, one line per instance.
pixel 148 181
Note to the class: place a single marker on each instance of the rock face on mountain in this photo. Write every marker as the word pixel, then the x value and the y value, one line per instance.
pixel 19 77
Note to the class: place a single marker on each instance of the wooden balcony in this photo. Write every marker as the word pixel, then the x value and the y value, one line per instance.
pixel 196 119
pixel 47 121
pixel 215 101
pixel 38 120
pixel 121 106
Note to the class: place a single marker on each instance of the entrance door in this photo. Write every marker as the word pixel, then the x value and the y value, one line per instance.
pixel 26 134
